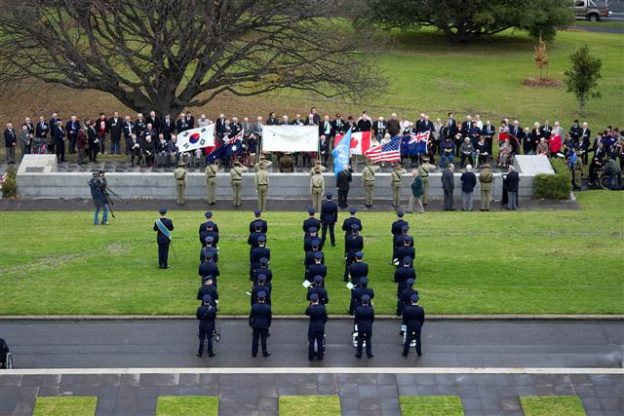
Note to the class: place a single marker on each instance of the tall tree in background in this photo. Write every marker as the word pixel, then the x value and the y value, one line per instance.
pixel 464 20
pixel 582 78
pixel 166 55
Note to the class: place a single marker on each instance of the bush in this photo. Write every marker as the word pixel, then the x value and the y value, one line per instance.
pixel 557 186
pixel 8 184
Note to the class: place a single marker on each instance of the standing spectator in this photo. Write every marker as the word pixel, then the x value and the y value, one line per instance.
pixel 448 185
pixel 466 151
pixel 154 121
pixel 25 138
pixel 394 126
pixel 129 131
pixel 486 179
pixel 71 128
pixel 379 128
pixel 364 123
pixel 81 144
pixel 469 181
pixel 115 126
pixel 513 180
pixel 93 141
pixel 58 134
pixel 417 193
pixel 101 128
pixel 10 142
pixel 41 132
pixel 167 127
pixel 139 125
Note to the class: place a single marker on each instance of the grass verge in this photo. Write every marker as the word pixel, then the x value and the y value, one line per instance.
pixel 187 406
pixel 431 406
pixel 309 406
pixel 65 405
pixel 552 406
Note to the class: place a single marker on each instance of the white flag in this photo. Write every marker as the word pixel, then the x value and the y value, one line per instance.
pixel 290 138
pixel 196 138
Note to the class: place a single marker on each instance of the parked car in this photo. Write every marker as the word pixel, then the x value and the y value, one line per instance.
pixel 592 10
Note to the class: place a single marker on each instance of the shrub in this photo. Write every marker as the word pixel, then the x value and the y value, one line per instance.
pixel 8 184
pixel 555 186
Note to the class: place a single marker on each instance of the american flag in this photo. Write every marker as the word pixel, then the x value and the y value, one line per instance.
pixel 389 152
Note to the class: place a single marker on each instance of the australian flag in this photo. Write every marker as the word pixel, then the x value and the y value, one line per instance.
pixel 415 143
pixel 226 150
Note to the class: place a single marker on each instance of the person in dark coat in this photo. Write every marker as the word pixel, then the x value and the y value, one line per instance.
pixel 260 285
pixel 258 222
pixel 512 181
pixel 343 183
pixel 413 319
pixel 329 216
pixel 311 222
pixel 401 275
pixel 163 226
pixel 316 328
pixel 206 313
pixel 260 322
pixel 346 224
pixel 318 289
pixel 468 182
pixel 353 243
pixel 364 317
pixel 448 185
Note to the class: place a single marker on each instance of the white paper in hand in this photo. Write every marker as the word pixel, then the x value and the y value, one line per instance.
pixel 350 286
pixel 306 284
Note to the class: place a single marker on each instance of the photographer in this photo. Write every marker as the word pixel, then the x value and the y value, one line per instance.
pixel 100 199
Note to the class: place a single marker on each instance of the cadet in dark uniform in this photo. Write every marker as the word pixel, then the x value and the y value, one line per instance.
pixel 317 268
pixel 206 314
pixel 316 328
pixel 396 230
pixel 262 270
pixel 311 221
pixel 264 227
pixel 252 240
pixel 364 317
pixel 260 285
pixel 260 321
pixel 353 244
pixel 357 292
pixel 208 228
pixel 209 250
pixel 346 224
pixel 209 268
pixel 163 226
pixel 407 250
pixel 329 216
pixel 397 242
pixel 402 275
pixel 318 289
pixel 358 268
pixel 257 253
pixel 208 288
pixel 413 319
pixel 309 255
pixel 310 238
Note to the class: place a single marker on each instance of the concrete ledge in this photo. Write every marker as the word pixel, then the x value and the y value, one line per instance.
pixel 510 317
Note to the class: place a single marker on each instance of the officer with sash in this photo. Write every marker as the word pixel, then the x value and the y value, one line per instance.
pixel 163 226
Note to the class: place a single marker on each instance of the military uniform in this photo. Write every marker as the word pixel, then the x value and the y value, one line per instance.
pixel 286 164
pixel 396 185
pixel 486 179
pixel 413 319
pixel 236 181
pixel 260 322
pixel 163 226
pixel 262 183
pixel 424 170
pixel 402 275
pixel 364 318
pixel 317 188
pixel 211 181
pixel 316 328
pixel 180 176
pixel 329 216
pixel 368 181
pixel 206 314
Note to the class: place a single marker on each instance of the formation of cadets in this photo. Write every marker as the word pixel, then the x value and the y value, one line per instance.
pixel 356 274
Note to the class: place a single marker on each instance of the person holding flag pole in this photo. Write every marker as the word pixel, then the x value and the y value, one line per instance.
pixel 163 226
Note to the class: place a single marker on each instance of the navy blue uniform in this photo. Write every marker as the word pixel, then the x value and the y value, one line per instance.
pixel 316 270
pixel 262 270
pixel 206 315
pixel 208 290
pixel 256 254
pixel 316 330
pixel 321 292
pixel 308 242
pixel 209 269
pixel 163 243
pixel 401 274
pixel 406 251
pixel 260 321
pixel 353 244
pixel 329 216
pixel 357 270
pixel 309 258
pixel 309 223
pixel 264 227
pixel 413 319
pixel 260 288
pixel 214 234
pixel 364 317
pixel 252 240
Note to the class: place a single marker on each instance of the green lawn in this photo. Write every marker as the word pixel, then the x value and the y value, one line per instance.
pixel 65 405
pixel 431 406
pixel 187 406
pixel 552 406
pixel 499 262
pixel 309 406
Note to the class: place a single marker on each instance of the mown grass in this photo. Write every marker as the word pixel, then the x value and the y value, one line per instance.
pixel 187 406
pixel 309 406
pixel 63 406
pixel 561 262
pixel 552 406
pixel 431 405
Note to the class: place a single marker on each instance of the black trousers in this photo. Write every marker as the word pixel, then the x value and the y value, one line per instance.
pixel 332 236
pixel 412 335
pixel 163 254
pixel 448 200
pixel 60 150
pixel 364 336
pixel 205 334
pixel 318 337
pixel 259 334
pixel 342 198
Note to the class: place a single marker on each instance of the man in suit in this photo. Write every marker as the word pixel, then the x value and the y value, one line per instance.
pixel 326 128
pixel 10 142
pixel 343 183
pixel 167 127
pixel 71 128
pixel 364 318
pixel 585 141
pixel 364 123
pixel 379 128
pixel 316 328
pixel 512 181
pixel 448 185
pixel 338 125
pixel 58 136
pixel 101 128
pixel 329 216
pixel 41 131
pixel 260 322
pixel 413 319
pixel 163 226
pixel 128 131
pixel 154 121
pixel 206 314
pixel 115 127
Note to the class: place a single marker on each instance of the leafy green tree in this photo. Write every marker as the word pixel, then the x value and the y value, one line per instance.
pixel 464 20
pixel 582 78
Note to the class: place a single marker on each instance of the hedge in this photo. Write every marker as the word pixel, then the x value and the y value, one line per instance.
pixel 557 186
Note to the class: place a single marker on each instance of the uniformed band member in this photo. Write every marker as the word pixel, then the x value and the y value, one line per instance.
pixel 413 319
pixel 262 182
pixel 364 318
pixel 260 322
pixel 317 187
pixel 402 275
pixel 163 226
pixel 329 216
pixel 396 184
pixel 425 169
pixel 180 176
pixel 486 178
pixel 211 181
pixel 236 181
pixel 353 244
pixel 316 328
pixel 206 313
pixel 368 182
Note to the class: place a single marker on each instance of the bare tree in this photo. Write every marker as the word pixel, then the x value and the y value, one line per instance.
pixel 166 55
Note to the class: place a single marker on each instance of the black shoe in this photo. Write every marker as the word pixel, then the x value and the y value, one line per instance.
pixel 198 354
pixel 358 355
pixel 211 354
pixel 371 355
pixel 266 354
pixel 254 355
pixel 320 358
pixel 401 333
pixel 404 354
pixel 419 354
